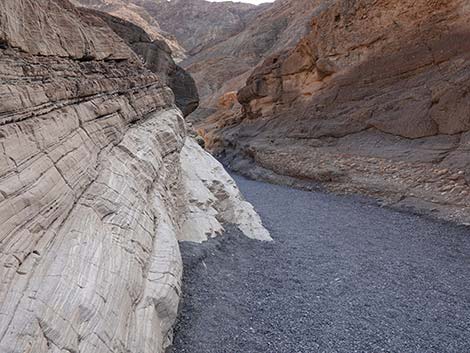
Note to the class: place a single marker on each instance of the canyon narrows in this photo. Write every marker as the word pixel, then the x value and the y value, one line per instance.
pixel 95 163
pixel 108 112
pixel 361 96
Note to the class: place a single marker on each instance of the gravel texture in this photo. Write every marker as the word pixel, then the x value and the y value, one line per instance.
pixel 343 275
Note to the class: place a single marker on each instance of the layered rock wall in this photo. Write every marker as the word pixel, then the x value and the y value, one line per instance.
pixel 402 51
pixel 92 190
pixel 157 57
pixel 130 11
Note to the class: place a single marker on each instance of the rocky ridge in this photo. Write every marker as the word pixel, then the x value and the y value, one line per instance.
pixel 374 99
pixel 198 24
pixel 93 168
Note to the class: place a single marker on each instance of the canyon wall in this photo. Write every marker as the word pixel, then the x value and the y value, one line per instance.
pixel 133 13
pixel 225 65
pixel 200 28
pixel 223 41
pixel 375 99
pixel 187 26
pixel 93 188
pixel 157 57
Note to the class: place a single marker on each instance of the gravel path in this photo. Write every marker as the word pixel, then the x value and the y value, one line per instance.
pixel 343 275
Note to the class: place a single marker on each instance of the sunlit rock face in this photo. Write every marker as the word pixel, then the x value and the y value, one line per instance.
pixel 92 188
pixel 374 99
pixel 214 199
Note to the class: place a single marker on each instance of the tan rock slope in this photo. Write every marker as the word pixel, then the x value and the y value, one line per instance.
pixel 374 99
pixel 92 188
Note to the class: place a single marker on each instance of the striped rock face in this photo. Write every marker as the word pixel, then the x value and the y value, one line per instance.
pixel 92 193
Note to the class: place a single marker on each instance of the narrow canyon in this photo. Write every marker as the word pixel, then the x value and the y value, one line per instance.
pixel 127 127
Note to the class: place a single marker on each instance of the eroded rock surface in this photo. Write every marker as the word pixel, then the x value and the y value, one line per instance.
pixel 214 199
pixel 157 56
pixel 92 192
pixel 374 99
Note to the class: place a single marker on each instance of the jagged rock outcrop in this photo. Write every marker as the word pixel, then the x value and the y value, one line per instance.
pixel 92 188
pixel 217 199
pixel 157 57
pixel 374 99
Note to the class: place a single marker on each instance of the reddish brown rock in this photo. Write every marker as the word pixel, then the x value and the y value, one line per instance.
pixel 224 66
pixel 387 80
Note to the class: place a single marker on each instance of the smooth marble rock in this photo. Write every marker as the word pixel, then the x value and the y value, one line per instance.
pixel 214 199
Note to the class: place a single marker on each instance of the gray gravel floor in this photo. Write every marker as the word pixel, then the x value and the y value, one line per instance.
pixel 343 275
